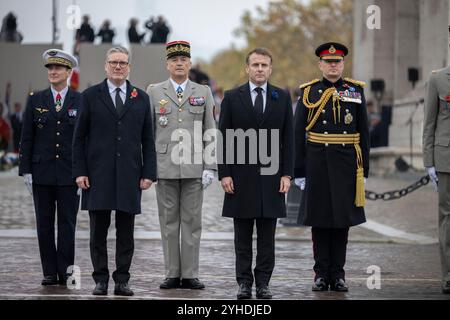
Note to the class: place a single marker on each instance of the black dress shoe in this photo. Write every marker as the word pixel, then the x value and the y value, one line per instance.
pixel 263 292
pixel 320 285
pixel 192 284
pixel 339 286
pixel 170 283
pixel 446 287
pixel 101 289
pixel 49 281
pixel 122 289
pixel 244 292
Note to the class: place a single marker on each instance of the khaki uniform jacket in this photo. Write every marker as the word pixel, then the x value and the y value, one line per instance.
pixel 436 126
pixel 179 129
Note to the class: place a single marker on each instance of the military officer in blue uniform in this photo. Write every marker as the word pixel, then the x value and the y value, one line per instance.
pixel 46 165
pixel 332 162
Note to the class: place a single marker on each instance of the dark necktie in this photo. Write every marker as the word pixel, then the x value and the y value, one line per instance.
pixel 119 102
pixel 259 102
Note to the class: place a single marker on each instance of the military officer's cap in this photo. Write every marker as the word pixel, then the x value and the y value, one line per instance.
pixel 60 58
pixel 178 48
pixel 331 51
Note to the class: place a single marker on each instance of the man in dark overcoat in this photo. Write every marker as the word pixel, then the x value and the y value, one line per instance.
pixel 332 160
pixel 114 160
pixel 256 123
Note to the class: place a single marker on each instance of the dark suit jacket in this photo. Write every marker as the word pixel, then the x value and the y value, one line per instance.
pixel 256 195
pixel 46 143
pixel 114 151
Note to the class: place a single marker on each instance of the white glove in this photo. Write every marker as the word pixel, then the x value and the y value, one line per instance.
pixel 207 178
pixel 300 182
pixel 365 181
pixel 433 176
pixel 28 179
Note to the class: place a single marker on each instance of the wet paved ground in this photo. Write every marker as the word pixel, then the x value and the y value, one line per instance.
pixel 399 238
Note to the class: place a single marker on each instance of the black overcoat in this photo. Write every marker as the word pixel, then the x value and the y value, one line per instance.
pixel 256 194
pixel 114 150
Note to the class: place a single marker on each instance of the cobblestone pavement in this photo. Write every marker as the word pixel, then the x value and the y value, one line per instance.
pixel 399 238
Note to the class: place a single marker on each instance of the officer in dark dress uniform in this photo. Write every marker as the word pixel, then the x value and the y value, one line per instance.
pixel 332 162
pixel 46 165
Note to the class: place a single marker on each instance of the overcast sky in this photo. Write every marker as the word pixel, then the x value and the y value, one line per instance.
pixel 207 24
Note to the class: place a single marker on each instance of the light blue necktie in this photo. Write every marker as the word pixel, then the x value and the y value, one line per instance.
pixel 179 93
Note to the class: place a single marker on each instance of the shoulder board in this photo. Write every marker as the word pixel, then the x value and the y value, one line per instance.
pixel 357 82
pixel 309 83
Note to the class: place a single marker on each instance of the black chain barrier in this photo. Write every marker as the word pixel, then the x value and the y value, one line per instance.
pixel 397 194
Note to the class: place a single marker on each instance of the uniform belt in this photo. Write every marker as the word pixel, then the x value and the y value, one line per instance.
pixel 333 138
pixel 343 139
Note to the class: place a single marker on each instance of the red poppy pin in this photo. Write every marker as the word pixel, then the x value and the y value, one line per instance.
pixel 134 93
pixel 447 98
pixel 162 110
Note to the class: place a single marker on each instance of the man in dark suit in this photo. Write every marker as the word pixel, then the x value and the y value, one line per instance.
pixel 16 120
pixel 45 162
pixel 332 161
pixel 114 159
pixel 255 188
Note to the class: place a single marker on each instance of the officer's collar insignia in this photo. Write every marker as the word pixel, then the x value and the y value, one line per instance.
pixel 41 110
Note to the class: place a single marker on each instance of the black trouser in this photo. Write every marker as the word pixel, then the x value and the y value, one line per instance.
pixel 99 223
pixel 55 258
pixel 265 250
pixel 329 249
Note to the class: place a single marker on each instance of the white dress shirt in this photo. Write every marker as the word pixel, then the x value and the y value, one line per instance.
pixel 112 91
pixel 176 85
pixel 63 94
pixel 254 94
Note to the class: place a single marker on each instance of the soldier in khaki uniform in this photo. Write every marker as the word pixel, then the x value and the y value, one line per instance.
pixel 436 156
pixel 183 114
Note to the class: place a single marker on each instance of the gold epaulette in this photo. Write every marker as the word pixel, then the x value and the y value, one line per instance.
pixel 357 82
pixel 309 83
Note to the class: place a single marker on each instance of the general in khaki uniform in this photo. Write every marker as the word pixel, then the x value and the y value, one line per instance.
pixel 46 164
pixel 332 153
pixel 182 112
pixel 436 157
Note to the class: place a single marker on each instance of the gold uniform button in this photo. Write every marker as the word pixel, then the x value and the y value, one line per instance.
pixel 343 144
pixel 323 111
pixel 57 145
pixel 180 110
pixel 324 121
pixel 57 133
pixel 345 132
pixel 325 132
pixel 59 122
pixel 57 156
pixel 326 144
